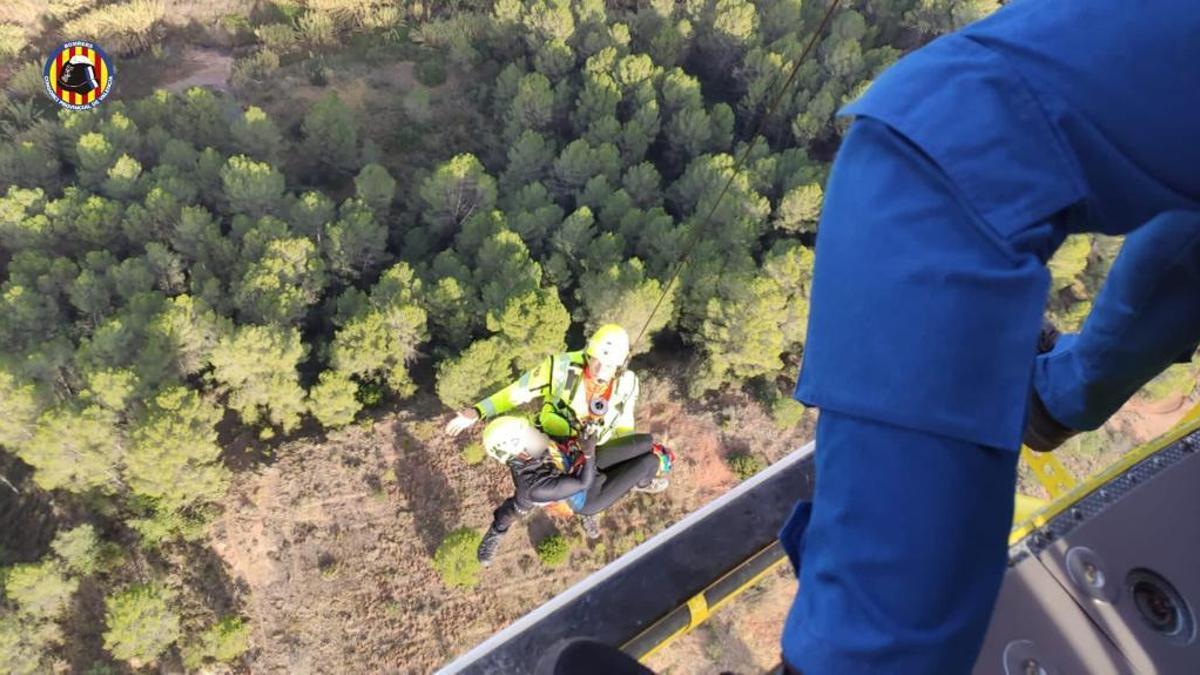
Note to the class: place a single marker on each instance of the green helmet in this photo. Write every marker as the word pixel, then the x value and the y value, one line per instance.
pixel 509 437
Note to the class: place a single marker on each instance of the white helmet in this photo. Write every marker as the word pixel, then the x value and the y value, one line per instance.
pixel 509 437
pixel 609 345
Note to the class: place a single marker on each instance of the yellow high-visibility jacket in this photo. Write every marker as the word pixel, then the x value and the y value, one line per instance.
pixel 558 380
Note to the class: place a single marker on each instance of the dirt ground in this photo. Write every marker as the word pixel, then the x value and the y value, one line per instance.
pixel 1139 421
pixel 741 638
pixel 332 542
pixel 200 67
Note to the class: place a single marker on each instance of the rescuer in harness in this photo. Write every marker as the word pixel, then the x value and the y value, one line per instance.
pixel 966 166
pixel 574 470
pixel 582 389
pixel 591 386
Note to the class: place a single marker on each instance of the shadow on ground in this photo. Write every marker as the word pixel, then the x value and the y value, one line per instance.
pixel 427 490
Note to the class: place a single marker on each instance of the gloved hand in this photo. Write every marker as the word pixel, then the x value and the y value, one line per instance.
pixel 464 420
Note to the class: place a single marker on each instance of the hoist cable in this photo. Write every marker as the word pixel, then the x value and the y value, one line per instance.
pixel 737 168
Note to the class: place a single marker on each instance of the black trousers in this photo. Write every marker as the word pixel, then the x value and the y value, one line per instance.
pixel 621 464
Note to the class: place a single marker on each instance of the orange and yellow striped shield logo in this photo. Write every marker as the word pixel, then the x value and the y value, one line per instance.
pixel 78 75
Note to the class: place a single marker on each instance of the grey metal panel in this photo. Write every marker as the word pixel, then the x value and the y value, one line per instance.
pixel 1147 518
pixel 622 599
pixel 1036 619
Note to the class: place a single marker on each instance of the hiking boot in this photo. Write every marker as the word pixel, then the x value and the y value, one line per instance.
pixel 652 485
pixel 591 527
pixel 489 546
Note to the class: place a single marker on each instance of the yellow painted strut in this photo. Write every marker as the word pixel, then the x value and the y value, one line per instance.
pixel 1050 473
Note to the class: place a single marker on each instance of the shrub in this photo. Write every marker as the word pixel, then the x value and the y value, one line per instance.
pixel 417 104
pixel 745 465
pixel 289 11
pixel 61 10
pixel 384 18
pixel 319 74
pixel 40 590
pixel 239 29
pixel 79 549
pixel 431 72
pixel 455 559
pixel 26 80
pixel 224 642
pixel 787 412
pixel 474 453
pixel 24 644
pixel 317 29
pixel 277 37
pixel 370 394
pixel 141 625
pixel 158 525
pixel 554 550
pixel 254 68
pixel 332 401
pixel 123 29
pixel 12 41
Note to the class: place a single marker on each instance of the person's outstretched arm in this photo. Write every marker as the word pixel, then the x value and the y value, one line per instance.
pixel 526 388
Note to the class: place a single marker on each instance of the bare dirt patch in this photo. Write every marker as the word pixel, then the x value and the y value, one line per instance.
pixel 200 67
pixel 334 540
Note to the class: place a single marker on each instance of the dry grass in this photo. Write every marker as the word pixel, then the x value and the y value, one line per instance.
pixel 25 13
pixel 126 28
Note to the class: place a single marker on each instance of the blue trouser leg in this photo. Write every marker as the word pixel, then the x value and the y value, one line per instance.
pixel 1146 317
pixel 912 533
pixel 920 354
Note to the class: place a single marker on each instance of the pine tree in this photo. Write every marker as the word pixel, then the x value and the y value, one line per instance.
pixel 140 623
pixel 624 295
pixel 356 244
pixel 480 369
pixel 251 187
pixel 280 286
pixel 41 591
pixel 76 450
pixel 534 324
pixel 330 136
pixel 457 190
pixel 255 135
pixel 19 409
pixel 173 456
pixel 256 365
pixel 332 400
pixel 78 549
pixel 379 338
pixel 376 188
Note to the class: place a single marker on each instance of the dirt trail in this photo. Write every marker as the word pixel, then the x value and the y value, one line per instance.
pixel 1144 421
pixel 335 539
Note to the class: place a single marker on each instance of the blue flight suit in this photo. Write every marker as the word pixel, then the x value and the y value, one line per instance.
pixel 967 165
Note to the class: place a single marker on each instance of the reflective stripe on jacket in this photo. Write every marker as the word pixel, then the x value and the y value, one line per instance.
pixel 558 379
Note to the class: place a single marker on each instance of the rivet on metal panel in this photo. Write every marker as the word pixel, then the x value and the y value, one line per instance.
pixel 1021 657
pixel 1086 568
